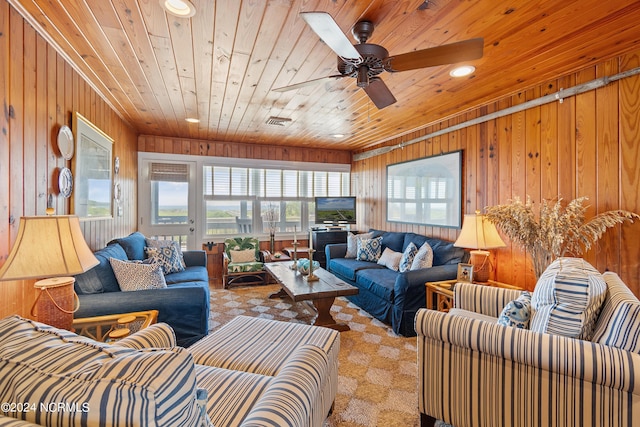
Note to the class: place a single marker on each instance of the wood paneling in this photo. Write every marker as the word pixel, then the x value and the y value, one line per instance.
pixel 39 92
pixel 587 145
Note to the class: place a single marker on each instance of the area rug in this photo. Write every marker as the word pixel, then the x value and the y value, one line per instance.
pixel 377 375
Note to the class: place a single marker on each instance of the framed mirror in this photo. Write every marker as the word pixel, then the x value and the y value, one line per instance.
pixel 92 166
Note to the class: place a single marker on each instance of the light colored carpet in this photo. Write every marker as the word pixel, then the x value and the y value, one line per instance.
pixel 377 377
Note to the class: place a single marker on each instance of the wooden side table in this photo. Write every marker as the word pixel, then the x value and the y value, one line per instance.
pixel 440 295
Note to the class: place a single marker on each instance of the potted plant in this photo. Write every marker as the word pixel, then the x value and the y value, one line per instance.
pixel 554 229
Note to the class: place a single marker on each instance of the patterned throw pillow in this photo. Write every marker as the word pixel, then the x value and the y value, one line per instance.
pixel 352 243
pixel 154 243
pixel 168 257
pixel 135 275
pixel 369 249
pixel 407 257
pixel 246 255
pixel 424 257
pixel 390 259
pixel 567 299
pixel 517 312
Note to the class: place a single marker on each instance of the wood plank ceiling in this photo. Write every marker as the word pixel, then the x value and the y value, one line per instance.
pixel 221 65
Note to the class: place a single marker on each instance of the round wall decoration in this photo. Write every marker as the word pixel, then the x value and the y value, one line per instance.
pixel 65 142
pixel 65 182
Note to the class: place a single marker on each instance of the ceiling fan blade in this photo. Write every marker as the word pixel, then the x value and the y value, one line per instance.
pixel 379 93
pixel 440 55
pixel 307 83
pixel 327 29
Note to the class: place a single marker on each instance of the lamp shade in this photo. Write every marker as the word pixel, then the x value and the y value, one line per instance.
pixel 48 246
pixel 478 233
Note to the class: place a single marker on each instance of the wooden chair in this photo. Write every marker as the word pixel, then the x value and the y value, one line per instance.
pixel 242 262
pixel 244 225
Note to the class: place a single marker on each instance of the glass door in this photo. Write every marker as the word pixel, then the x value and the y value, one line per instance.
pixel 166 192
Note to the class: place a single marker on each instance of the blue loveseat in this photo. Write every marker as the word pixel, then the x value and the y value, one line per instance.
pixel 183 304
pixel 389 295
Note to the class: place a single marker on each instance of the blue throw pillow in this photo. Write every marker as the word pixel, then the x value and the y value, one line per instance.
pixel 517 312
pixel 133 245
pixel 407 257
pixel 369 249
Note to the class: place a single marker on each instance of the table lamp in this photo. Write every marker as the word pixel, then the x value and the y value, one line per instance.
pixel 53 247
pixel 479 234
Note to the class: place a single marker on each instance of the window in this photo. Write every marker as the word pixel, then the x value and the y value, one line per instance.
pixel 258 200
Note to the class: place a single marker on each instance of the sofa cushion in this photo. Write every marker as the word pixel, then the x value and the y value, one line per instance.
pixel 567 298
pixel 379 282
pixel 245 255
pixel 133 245
pixel 407 257
pixel 369 249
pixel 393 240
pixel 169 258
pixel 135 275
pixel 111 385
pixel 423 258
pixel 517 312
pixel 352 243
pixel 619 322
pixel 189 274
pixel 101 278
pixel 390 259
pixel 348 268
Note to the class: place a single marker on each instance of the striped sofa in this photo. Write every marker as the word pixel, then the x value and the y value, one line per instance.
pixel 250 372
pixel 477 373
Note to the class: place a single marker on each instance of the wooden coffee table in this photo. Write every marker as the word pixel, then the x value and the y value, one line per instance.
pixel 321 293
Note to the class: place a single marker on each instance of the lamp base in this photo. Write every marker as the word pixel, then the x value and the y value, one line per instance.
pixel 481 265
pixel 56 302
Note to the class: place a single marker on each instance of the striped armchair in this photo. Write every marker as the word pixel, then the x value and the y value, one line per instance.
pixel 478 373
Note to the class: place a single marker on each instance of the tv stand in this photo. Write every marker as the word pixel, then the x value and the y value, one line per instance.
pixel 322 238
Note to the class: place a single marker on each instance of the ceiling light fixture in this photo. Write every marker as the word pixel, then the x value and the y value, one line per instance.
pixel 462 71
pixel 179 8
pixel 192 120
pixel 338 135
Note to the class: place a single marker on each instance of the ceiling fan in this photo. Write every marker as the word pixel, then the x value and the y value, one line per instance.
pixel 366 61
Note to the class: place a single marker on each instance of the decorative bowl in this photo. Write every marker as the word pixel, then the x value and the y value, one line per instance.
pixel 303 266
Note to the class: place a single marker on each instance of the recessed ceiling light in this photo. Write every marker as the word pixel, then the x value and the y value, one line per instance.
pixel 179 8
pixel 192 120
pixel 462 71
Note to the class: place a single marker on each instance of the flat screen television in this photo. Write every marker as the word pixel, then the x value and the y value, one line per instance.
pixel 336 210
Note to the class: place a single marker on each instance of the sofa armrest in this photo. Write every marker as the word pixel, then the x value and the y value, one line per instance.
pixel 335 250
pixel 158 335
pixel 195 258
pixel 293 397
pixel 487 300
pixel 558 379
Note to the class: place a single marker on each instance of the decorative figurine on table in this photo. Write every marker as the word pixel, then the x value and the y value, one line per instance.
pixel 313 265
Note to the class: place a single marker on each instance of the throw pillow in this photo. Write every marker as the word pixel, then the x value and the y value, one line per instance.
pixel 567 299
pixel 135 276
pixel 390 259
pixel 369 249
pixel 168 257
pixel 352 243
pixel 517 312
pixel 423 258
pixel 154 243
pixel 407 257
pixel 246 255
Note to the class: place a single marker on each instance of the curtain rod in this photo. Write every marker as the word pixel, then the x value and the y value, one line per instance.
pixel 557 96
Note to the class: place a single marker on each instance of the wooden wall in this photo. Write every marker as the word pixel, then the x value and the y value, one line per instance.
pixel 199 147
pixel 39 92
pixel 588 145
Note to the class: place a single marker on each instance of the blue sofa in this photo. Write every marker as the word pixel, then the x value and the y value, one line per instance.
pixel 388 295
pixel 184 304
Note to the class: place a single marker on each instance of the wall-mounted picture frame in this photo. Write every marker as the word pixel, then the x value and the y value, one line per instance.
pixel 92 171
pixel 426 191
pixel 465 273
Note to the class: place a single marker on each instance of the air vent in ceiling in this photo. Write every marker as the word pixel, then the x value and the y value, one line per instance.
pixel 277 121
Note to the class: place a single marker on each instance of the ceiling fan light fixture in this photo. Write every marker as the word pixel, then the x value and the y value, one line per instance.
pixel 462 71
pixel 363 76
pixel 179 8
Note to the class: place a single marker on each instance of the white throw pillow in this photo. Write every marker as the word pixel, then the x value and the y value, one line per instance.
pixel 136 275
pixel 352 243
pixel 567 299
pixel 245 255
pixel 424 257
pixel 390 259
